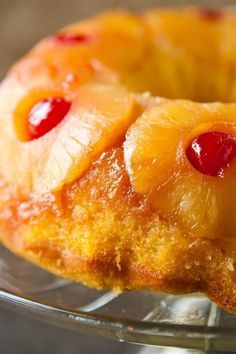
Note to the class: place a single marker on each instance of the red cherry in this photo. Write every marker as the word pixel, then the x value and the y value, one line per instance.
pixel 70 38
pixel 210 14
pixel 46 114
pixel 210 153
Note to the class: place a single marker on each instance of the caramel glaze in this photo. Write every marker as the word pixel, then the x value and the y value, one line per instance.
pixel 92 229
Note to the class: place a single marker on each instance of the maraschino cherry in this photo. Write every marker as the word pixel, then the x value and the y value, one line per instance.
pixel 211 152
pixel 72 38
pixel 210 14
pixel 46 114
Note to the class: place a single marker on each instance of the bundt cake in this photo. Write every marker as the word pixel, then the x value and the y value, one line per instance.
pixel 114 171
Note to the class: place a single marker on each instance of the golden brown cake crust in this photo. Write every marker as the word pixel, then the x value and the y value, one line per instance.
pixel 103 235
pixel 91 225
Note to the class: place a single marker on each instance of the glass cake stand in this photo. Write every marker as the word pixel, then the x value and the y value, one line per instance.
pixel 147 318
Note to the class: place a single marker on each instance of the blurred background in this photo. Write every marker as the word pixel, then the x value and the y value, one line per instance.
pixel 22 23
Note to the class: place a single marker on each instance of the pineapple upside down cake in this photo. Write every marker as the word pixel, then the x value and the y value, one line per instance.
pixel 114 171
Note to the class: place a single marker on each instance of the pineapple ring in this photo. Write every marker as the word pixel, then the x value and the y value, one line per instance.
pixel 104 193
pixel 98 112
pixel 177 190
pixel 147 140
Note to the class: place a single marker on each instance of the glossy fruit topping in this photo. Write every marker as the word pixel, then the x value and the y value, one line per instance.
pixel 46 114
pixel 210 153
pixel 210 14
pixel 70 38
